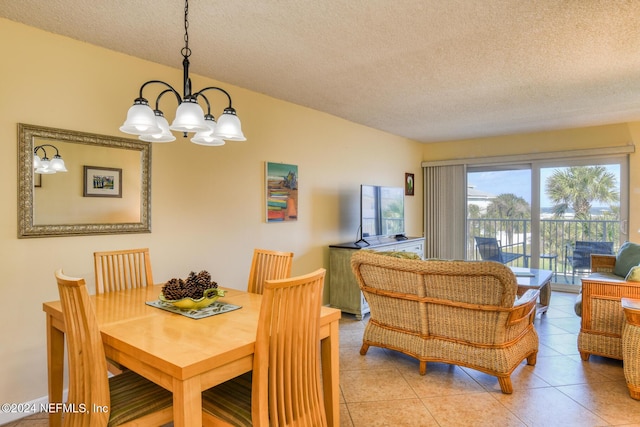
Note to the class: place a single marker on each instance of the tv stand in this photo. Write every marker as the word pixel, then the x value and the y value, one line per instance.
pixel 362 241
pixel 344 292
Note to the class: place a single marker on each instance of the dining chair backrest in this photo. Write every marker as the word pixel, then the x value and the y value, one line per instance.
pixel 129 398
pixel 123 269
pixel 268 265
pixel 286 386
pixel 88 382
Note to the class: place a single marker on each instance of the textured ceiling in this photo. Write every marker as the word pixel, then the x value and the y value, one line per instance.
pixel 429 70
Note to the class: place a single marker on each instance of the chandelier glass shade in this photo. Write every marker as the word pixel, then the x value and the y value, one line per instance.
pixel 43 165
pixel 150 124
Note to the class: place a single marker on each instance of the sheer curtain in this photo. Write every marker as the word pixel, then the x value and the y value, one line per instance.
pixel 445 211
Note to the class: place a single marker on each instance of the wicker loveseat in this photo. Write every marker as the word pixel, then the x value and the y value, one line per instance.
pixel 600 307
pixel 459 312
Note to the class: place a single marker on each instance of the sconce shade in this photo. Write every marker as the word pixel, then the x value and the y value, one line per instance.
pixel 140 119
pixel 37 163
pixel 229 126
pixel 189 117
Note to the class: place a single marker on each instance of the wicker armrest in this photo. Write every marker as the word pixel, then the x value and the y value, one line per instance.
pixel 631 309
pixel 602 263
pixel 527 297
pixel 524 307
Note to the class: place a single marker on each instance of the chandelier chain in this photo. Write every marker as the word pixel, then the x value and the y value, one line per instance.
pixel 186 52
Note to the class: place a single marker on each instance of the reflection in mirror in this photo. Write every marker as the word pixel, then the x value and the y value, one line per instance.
pixel 59 204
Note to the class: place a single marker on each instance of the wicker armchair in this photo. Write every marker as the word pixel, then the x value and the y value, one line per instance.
pixel 602 314
pixel 459 312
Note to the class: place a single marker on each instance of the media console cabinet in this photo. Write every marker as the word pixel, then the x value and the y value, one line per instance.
pixel 344 292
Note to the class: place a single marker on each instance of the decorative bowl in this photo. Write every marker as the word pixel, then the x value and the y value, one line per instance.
pixel 210 296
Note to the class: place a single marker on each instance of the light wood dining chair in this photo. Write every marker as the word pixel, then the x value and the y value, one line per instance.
pixel 268 265
pixel 128 398
pixel 284 388
pixel 122 269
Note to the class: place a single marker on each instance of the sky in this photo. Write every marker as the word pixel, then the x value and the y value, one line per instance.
pixel 518 182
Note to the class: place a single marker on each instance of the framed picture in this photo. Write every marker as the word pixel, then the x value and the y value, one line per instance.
pixel 409 182
pixel 281 192
pixel 102 182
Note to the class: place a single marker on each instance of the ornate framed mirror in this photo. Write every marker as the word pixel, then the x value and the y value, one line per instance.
pixel 117 172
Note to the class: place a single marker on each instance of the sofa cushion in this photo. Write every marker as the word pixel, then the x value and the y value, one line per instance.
pixel 634 274
pixel 628 256
pixel 578 305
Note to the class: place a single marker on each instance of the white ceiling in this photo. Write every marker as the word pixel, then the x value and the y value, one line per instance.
pixel 429 70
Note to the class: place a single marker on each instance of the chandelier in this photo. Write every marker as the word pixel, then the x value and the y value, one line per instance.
pixel 150 125
pixel 45 166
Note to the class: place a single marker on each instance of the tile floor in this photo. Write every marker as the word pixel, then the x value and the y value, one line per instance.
pixel 384 388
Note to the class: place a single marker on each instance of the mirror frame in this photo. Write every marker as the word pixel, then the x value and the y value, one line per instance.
pixel 26 229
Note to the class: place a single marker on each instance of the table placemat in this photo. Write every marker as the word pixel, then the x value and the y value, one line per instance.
pixel 212 310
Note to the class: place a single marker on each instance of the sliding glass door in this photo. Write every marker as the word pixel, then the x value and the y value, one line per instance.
pixel 499 208
pixel 542 210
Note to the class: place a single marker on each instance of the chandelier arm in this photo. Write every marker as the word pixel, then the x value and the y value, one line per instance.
pixel 160 96
pixel 169 89
pixel 206 100
pixel 214 88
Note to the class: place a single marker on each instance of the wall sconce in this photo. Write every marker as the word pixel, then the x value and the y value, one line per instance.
pixel 44 165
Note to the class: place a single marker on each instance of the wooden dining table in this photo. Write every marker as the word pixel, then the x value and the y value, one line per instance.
pixel 183 355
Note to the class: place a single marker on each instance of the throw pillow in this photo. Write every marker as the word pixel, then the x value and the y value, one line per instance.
pixel 578 305
pixel 628 256
pixel 398 254
pixel 634 274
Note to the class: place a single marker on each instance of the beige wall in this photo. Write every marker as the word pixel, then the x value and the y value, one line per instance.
pixel 207 202
pixel 570 139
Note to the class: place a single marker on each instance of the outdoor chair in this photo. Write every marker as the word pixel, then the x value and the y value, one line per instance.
pixel 490 249
pixel 579 255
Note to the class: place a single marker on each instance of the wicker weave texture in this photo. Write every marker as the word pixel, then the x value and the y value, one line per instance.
pixel 602 314
pixel 631 357
pixel 458 312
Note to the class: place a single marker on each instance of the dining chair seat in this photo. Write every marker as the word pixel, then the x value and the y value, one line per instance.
pixel 133 396
pixel 284 388
pixel 268 265
pixel 128 398
pixel 230 401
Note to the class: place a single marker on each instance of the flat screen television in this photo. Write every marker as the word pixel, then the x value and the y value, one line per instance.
pixel 381 212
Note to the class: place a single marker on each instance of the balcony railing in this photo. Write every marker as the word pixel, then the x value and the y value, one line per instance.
pixel 556 236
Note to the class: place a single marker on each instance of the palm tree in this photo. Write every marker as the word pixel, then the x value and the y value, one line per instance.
pixel 510 206
pixel 578 187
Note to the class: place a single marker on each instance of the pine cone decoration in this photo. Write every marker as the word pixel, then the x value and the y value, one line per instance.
pixel 193 287
pixel 174 289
